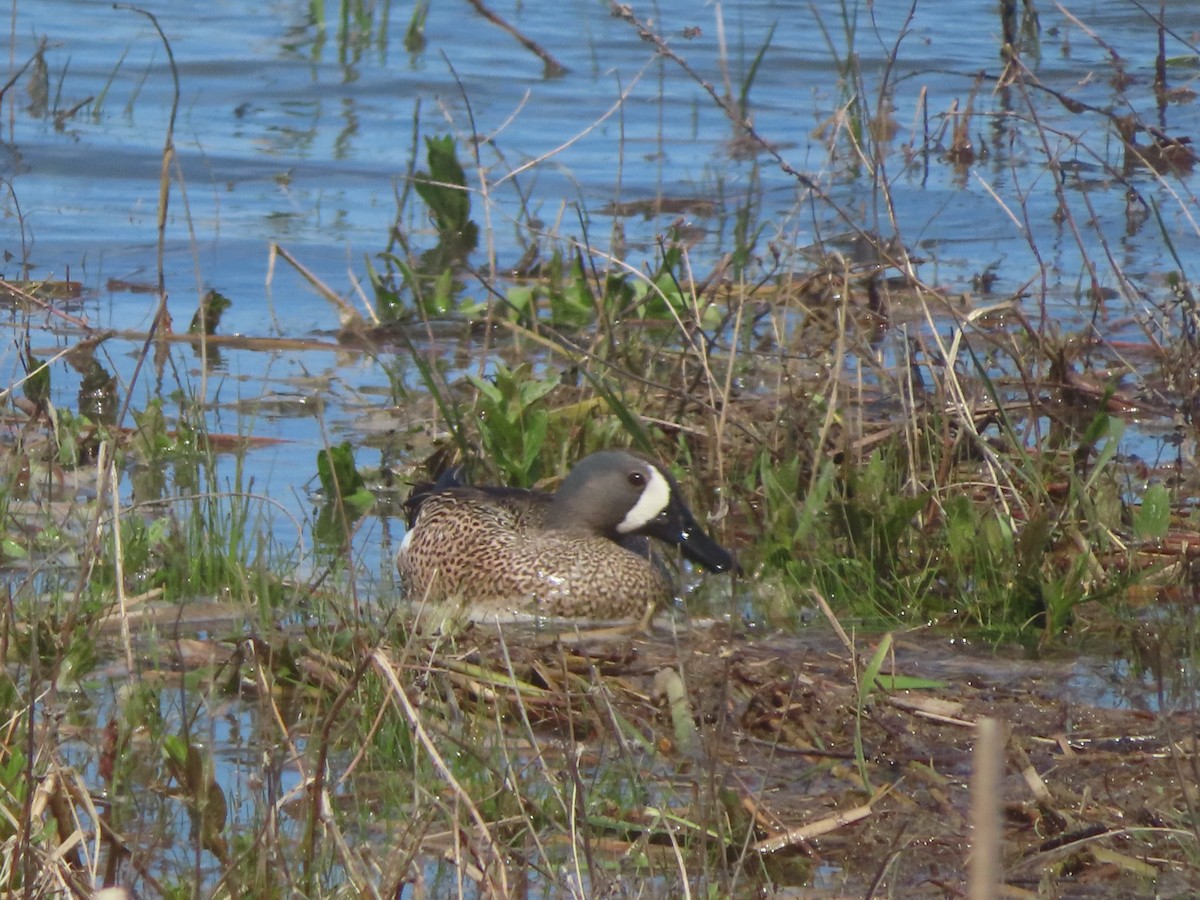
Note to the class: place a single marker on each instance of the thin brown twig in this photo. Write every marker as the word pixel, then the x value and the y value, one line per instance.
pixel 498 879
pixel 16 76
pixel 625 13
pixel 553 66
pixel 26 297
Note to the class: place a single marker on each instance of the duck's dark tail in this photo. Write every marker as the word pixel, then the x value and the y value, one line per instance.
pixel 451 478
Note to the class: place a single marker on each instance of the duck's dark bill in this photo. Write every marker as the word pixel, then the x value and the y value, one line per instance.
pixel 677 525
pixel 704 551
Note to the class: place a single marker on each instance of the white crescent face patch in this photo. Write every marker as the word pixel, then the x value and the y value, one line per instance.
pixel 656 495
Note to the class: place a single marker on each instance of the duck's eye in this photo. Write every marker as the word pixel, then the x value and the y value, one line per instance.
pixel 637 479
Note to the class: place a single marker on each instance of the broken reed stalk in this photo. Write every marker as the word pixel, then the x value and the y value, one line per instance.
pixel 984 871
pixel 553 67
pixel 496 874
pixel 161 318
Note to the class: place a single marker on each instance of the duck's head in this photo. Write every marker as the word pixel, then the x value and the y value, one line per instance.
pixel 619 494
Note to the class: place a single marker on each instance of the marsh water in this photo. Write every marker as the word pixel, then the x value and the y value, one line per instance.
pixel 297 124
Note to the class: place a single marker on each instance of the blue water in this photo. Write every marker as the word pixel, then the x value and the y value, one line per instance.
pixel 281 137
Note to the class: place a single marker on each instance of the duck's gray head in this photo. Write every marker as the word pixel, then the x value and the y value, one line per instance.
pixel 617 493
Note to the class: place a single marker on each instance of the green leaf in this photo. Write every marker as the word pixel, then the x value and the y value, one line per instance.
pixel 1033 542
pixel 336 471
pixel 444 190
pixel 360 501
pixel 910 683
pixel 962 531
pixel 747 83
pixel 1153 517
pixel 175 750
pixel 535 439
pixel 487 388
pixel 208 314
pixel 10 550
pixel 533 391
pixel 869 680
pixel 1109 427
pixel 37 383
pixel 520 299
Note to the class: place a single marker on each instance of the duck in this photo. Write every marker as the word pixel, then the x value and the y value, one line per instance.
pixel 582 552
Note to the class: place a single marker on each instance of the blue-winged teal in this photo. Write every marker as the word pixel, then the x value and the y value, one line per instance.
pixel 580 552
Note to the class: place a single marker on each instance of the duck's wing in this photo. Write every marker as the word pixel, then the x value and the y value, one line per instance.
pixel 423 490
pixel 525 509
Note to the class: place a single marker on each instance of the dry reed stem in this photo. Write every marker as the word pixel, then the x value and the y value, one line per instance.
pixel 832 619
pixel 497 874
pixel 985 874
pixel 827 825
pixel 575 138
pixel 118 556
pixel 348 316
pixel 553 67
pixel 566 804
pixel 7 287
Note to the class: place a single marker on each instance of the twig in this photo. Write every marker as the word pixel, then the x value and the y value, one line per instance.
pixel 984 869
pixel 161 316
pixel 347 314
pixel 553 67
pixel 26 297
pixel 794 836
pixel 118 553
pixel 384 667
pixel 16 76
pixel 625 13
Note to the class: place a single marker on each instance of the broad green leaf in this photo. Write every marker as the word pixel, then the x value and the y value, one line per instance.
pixel 1153 517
